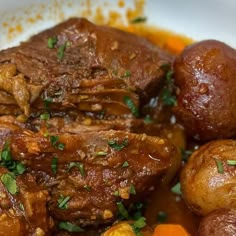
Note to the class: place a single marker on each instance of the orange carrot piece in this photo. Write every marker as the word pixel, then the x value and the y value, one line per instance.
pixel 170 230
pixel 175 45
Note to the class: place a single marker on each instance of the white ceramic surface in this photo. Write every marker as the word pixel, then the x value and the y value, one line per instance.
pixel 198 19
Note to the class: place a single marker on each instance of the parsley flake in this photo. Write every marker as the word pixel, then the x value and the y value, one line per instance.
pixel 54 165
pixel 125 164
pixel 176 189
pixel 52 42
pixel 219 166
pixel 78 165
pixel 62 202
pixel 9 182
pixel 130 104
pixel 118 146
pixel 139 19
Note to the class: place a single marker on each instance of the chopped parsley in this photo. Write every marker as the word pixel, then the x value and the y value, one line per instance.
pixel 122 210
pixel 78 165
pixel 126 74
pixel 132 189
pixel 47 101
pixel 45 116
pixel 168 98
pixel 116 193
pixel 139 19
pixel 176 189
pixel 118 146
pixel 72 228
pixel 9 182
pixel 231 162
pixel 130 104
pixel 6 160
pixel 62 202
pixel 138 225
pixel 54 165
pixel 52 42
pixel 125 164
pixel 147 119
pixel 88 188
pixel 61 51
pixel 101 153
pixel 161 217
pixel 21 206
pixel 54 141
pixel 219 166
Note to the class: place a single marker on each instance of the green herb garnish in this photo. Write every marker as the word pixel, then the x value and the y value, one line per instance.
pixel 139 19
pixel 72 228
pixel 78 165
pixel 125 164
pixel 101 153
pixel 61 51
pixel 21 206
pixel 176 189
pixel 122 210
pixel 138 225
pixel 168 98
pixel 219 166
pixel 231 162
pixel 116 193
pixel 88 188
pixel 130 104
pixel 45 116
pixel 15 167
pixel 52 42
pixel 161 217
pixel 9 182
pixel 118 146
pixel 147 119
pixel 54 141
pixel 54 165
pixel 46 102
pixel 62 202
pixel 132 189
pixel 126 74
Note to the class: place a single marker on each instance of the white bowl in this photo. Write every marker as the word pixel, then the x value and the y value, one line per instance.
pixel 199 20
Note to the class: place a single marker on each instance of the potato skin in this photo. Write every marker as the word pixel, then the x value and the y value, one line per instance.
pixel 204 189
pixel 205 77
pixel 219 222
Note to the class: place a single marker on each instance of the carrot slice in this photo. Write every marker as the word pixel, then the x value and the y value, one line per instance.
pixel 175 45
pixel 170 230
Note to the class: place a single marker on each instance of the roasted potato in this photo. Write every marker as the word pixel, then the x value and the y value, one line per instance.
pixel 208 180
pixel 206 87
pixel 220 222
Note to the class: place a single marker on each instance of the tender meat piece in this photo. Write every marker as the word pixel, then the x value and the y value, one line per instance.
pixel 219 222
pixel 209 178
pixel 93 166
pixel 23 212
pixel 99 66
pixel 206 88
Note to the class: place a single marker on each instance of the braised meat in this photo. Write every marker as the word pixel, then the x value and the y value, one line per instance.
pixel 80 66
pixel 92 167
pixel 20 201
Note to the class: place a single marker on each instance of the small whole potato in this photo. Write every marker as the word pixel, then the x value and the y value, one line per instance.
pixel 208 180
pixel 205 80
pixel 220 222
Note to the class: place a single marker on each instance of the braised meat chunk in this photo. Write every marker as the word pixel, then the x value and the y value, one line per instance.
pixel 95 170
pixel 80 66
pixel 20 201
